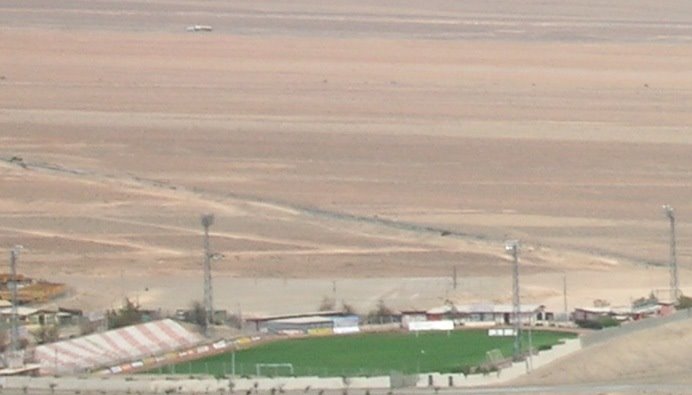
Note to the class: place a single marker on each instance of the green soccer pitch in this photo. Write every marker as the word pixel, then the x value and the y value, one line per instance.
pixel 364 354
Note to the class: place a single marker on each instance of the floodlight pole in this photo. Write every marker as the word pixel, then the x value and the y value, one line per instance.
pixel 207 221
pixel 512 247
pixel 14 334
pixel 674 281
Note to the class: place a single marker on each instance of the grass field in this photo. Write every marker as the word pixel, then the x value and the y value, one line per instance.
pixel 365 354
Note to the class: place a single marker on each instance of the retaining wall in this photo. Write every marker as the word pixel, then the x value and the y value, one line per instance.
pixel 178 385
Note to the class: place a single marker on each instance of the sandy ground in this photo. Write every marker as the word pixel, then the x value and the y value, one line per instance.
pixel 659 354
pixel 336 141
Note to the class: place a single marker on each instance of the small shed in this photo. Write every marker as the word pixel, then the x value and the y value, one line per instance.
pixel 487 314
pixel 408 316
pixel 304 323
pixel 25 315
pixel 346 324
pixel 300 325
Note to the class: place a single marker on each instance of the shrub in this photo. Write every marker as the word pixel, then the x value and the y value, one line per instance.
pixel 599 323
pixel 544 347
pixel 327 304
pixel 348 308
pixel 381 313
pixel 608 322
pixel 198 314
pixel 684 302
pixel 129 314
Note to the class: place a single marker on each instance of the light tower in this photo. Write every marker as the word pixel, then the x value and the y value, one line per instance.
pixel 512 247
pixel 207 221
pixel 674 281
pixel 14 330
pixel 14 358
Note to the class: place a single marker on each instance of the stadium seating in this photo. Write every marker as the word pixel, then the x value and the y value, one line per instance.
pixel 112 347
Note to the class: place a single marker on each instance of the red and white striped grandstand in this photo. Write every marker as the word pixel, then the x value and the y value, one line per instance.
pixel 113 347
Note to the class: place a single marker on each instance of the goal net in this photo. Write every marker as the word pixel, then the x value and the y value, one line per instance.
pixel 494 357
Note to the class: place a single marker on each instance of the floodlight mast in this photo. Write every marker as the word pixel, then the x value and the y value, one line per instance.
pixel 14 334
pixel 512 247
pixel 673 263
pixel 207 221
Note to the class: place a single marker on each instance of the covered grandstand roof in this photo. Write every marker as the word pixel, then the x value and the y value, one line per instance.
pixel 483 308
pixel 112 347
pixel 304 320
pixel 298 315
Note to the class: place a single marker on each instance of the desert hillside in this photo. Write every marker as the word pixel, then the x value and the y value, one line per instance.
pixel 346 149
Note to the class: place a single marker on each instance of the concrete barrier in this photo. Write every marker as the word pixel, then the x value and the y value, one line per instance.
pixel 368 382
pixel 515 370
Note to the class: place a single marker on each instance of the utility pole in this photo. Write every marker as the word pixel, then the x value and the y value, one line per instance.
pixel 454 277
pixel 530 365
pixel 674 281
pixel 512 247
pixel 207 221
pixel 564 294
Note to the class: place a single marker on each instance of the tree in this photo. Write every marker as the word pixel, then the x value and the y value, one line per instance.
pixel 129 314
pixel 235 321
pixel 684 302
pixel 348 308
pixel 327 304
pixel 380 312
pixel 4 340
pixel 198 314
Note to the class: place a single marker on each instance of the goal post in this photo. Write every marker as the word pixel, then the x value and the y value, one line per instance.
pixel 274 368
pixel 494 357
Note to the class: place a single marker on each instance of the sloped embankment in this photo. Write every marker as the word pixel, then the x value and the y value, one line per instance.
pixel 653 355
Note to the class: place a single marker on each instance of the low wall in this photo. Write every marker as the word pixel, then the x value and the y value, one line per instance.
pixel 443 325
pixel 178 385
pixel 515 370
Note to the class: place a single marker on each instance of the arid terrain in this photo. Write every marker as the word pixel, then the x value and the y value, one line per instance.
pixel 346 149
pixel 658 355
